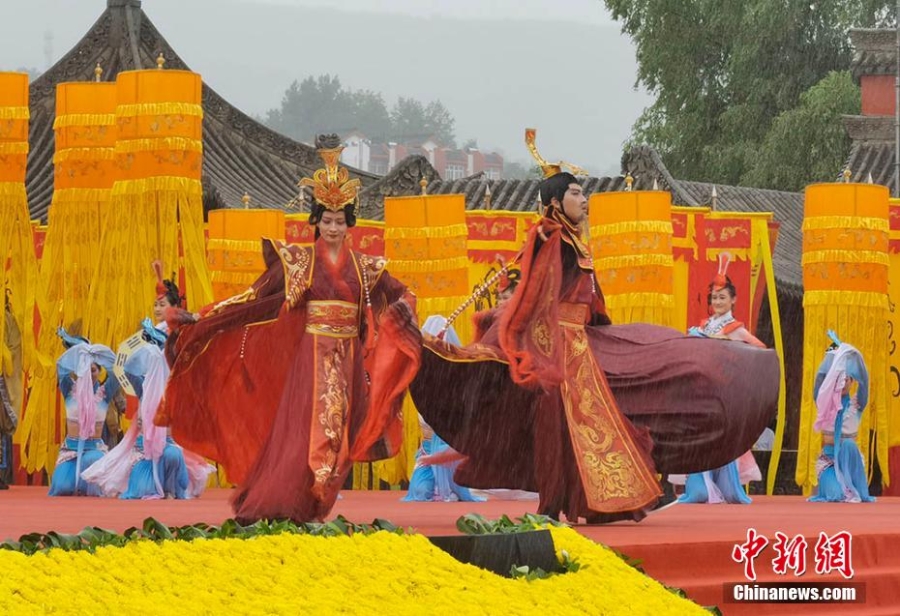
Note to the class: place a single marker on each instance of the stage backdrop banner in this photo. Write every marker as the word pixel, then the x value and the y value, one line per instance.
pixel 845 282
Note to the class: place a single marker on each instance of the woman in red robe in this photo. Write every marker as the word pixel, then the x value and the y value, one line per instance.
pixel 291 382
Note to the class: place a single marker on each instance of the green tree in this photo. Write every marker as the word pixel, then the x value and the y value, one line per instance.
pixel 410 119
pixel 312 106
pixel 723 70
pixel 440 122
pixel 322 105
pixel 407 119
pixel 808 143
pixel 370 114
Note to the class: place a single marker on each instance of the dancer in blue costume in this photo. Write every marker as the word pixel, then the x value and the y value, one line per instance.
pixel 147 464
pixel 840 468
pixel 723 484
pixel 434 481
pixel 87 386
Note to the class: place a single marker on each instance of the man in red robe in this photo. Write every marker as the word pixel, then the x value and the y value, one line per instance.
pixel 555 399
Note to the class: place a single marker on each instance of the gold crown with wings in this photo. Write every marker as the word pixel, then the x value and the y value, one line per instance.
pixel 549 169
pixel 331 186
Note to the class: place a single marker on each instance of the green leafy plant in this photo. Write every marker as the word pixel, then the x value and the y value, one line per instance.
pixel 93 537
pixel 476 524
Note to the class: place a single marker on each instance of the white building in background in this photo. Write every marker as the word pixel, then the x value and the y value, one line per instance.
pixel 451 164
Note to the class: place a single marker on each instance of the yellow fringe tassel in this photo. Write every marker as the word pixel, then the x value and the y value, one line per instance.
pixel 406 233
pixel 160 144
pixel 415 266
pixel 606 263
pixel 155 109
pixel 860 299
pixel 153 218
pixel 632 226
pixel 817 223
pixel 14 113
pixel 216 243
pixel 82 195
pixel 84 119
pixel 63 156
pixel 845 256
pixel 163 183
pixel 14 147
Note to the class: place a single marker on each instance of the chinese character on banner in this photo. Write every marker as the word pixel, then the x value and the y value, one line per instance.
pixel 748 551
pixel 833 554
pixel 791 554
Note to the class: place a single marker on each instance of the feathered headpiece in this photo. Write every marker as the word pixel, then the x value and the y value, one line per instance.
pixel 548 169
pixel 160 284
pixel 165 287
pixel 331 186
pixel 721 280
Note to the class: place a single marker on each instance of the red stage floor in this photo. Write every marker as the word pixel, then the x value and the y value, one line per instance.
pixel 687 546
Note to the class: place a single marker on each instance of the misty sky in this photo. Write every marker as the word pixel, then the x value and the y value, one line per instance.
pixel 498 65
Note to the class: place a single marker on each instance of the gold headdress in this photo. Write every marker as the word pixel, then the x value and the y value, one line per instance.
pixel 332 186
pixel 549 169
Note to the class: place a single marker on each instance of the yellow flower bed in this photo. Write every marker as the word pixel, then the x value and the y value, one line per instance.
pixel 380 573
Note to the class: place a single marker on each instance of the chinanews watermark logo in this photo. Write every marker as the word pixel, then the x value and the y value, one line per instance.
pixel 831 554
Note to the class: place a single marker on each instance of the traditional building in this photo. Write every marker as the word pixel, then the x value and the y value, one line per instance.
pixel 874 67
pixel 239 154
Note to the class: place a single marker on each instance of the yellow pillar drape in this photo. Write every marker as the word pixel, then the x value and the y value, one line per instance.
pixel 18 264
pixel 845 280
pixel 156 207
pixel 762 254
pixel 631 239
pixel 425 241
pixel 234 250
pixel 893 388
pixel 84 163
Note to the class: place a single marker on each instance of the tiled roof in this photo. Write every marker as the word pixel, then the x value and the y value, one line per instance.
pixel 875 158
pixel 240 155
pixel 874 52
pixel 511 195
